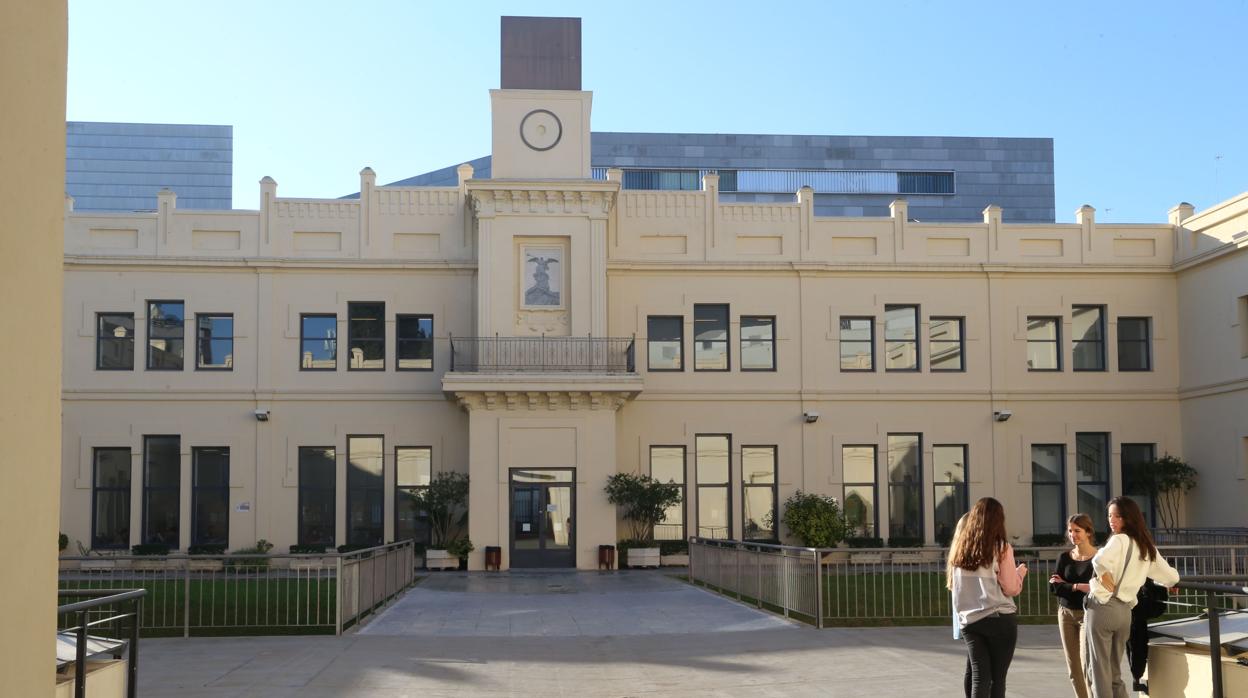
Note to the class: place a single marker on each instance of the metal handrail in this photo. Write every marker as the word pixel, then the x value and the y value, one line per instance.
pixel 134 597
pixel 1206 583
pixel 543 354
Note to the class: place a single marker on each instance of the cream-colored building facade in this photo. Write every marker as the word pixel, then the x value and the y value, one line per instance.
pixel 758 349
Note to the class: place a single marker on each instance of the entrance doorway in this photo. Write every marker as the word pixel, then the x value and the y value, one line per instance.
pixel 543 517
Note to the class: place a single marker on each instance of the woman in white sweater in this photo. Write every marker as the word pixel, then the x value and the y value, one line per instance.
pixel 1119 570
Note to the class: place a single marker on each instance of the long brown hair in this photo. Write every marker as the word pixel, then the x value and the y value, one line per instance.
pixel 1133 525
pixel 981 538
pixel 1083 521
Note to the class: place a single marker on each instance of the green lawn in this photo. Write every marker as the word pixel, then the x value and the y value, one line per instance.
pixel 240 605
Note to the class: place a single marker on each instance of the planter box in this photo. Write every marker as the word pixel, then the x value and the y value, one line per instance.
pixel 643 557
pixel 866 558
pixel 158 564
pixel 677 560
pixel 440 560
pixel 311 564
pixel 835 556
pixel 100 564
pixel 211 565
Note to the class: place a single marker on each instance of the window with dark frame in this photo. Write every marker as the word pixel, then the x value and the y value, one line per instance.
pixel 758 343
pixel 162 490
pixel 667 464
pixel 710 337
pixel 1092 475
pixel 758 493
pixel 110 500
pixel 317 495
pixel 366 336
pixel 210 495
pixel 901 338
pixel 1134 458
pixel 1044 344
pixel 1048 489
pixel 949 489
pixel 114 341
pixel 413 471
pixel 214 342
pixel 946 344
pixel 1135 344
pixel 318 342
pixel 857 344
pixel 166 335
pixel 414 342
pixel 365 490
pixel 664 342
pixel 713 456
pixel 860 476
pixel 905 486
pixel 1088 329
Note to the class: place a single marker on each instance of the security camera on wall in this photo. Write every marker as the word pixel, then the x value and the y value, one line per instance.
pixel 1002 415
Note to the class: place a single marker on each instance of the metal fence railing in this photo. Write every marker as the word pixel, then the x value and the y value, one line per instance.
pixel 1201 536
pixel 250 594
pixel 898 586
pixel 543 354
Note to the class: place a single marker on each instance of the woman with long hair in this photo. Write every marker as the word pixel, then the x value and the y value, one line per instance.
pixel 982 578
pixel 1120 568
pixel 1070 583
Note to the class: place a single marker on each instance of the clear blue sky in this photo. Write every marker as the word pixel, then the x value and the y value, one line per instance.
pixel 1140 97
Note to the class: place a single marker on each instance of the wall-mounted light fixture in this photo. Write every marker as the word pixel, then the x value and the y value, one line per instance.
pixel 261 415
pixel 1002 415
pixel 810 416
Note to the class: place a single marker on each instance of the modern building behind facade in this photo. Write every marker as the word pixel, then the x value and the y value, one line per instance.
pixel 942 178
pixel 292 373
pixel 121 167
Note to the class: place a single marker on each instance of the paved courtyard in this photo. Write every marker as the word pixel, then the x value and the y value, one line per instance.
pixel 584 634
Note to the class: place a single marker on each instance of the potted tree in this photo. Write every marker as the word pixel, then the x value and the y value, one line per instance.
pixel 645 502
pixel 814 519
pixel 445 501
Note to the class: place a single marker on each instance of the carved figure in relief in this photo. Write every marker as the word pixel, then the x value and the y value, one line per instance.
pixel 539 291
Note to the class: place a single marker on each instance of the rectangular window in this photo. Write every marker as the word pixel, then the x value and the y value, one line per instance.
pixel 857 344
pixel 210 495
pixel 664 340
pixel 860 488
pixel 214 343
pixel 1134 459
pixel 1092 475
pixel 1135 344
pixel 710 338
pixel 318 342
pixel 317 494
pixel 1088 328
pixel 945 342
pixel 667 464
pixel 365 490
pixel 758 343
pixel 162 487
pixel 949 487
pixel 758 493
pixel 1048 489
pixel 114 341
pixel 166 334
pixel 366 336
pixel 413 467
pixel 905 486
pixel 414 337
pixel 713 455
pixel 1044 344
pixel 901 338
pixel 110 487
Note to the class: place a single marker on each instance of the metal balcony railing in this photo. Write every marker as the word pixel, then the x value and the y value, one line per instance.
pixel 543 354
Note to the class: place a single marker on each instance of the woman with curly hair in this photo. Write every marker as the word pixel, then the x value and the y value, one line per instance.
pixel 983 577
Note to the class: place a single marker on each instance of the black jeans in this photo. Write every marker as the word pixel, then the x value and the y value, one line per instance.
pixel 990 647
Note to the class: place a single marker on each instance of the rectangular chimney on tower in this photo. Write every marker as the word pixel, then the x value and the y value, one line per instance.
pixel 541 53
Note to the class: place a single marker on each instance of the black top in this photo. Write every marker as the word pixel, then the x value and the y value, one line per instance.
pixel 1074 572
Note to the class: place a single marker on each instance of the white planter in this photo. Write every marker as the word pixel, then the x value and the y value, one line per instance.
pixel 212 565
pixel 677 560
pixel 643 557
pixel 440 560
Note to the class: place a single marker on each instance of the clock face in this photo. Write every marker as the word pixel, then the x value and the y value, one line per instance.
pixel 540 129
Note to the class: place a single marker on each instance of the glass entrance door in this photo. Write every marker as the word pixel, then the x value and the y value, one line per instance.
pixel 543 514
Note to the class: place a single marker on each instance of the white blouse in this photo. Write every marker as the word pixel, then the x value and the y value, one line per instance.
pixel 1109 559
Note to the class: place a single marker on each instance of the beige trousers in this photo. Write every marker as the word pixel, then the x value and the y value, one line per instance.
pixel 1070 625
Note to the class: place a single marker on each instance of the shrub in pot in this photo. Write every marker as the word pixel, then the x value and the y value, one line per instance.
pixel 814 519
pixel 445 501
pixel 645 502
